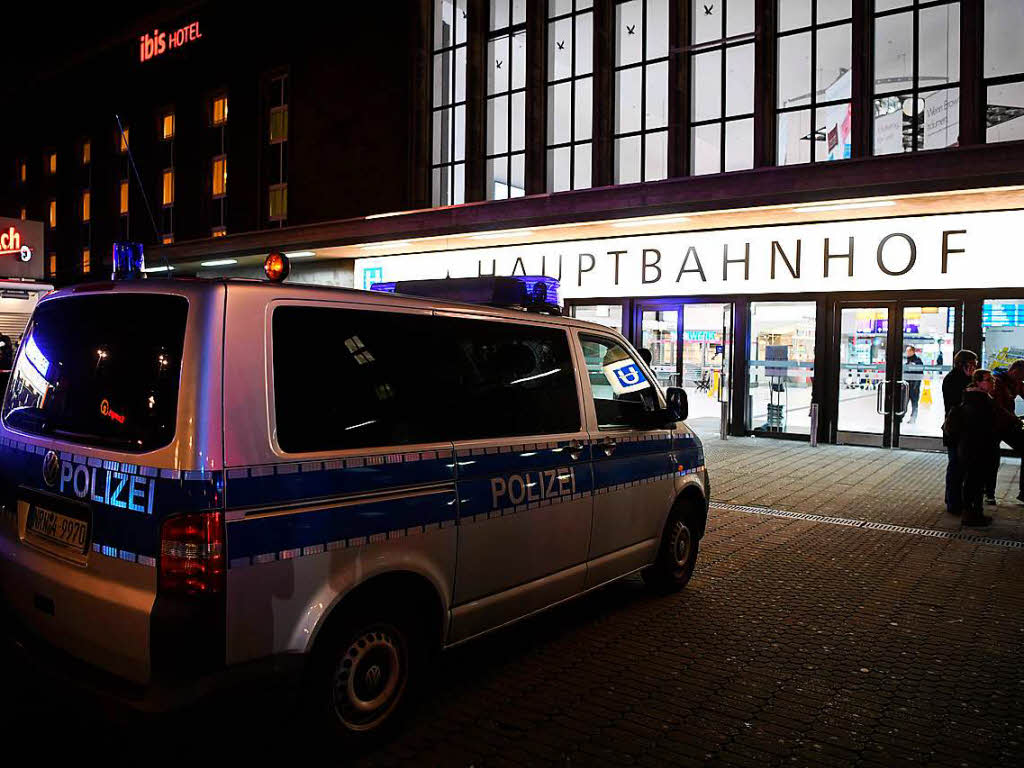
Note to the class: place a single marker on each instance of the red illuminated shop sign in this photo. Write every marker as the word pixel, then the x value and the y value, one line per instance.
pixel 159 42
pixel 10 242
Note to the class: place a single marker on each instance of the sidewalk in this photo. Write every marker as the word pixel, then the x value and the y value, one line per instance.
pixel 872 484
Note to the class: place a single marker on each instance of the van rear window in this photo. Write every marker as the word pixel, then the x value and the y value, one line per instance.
pixel 100 370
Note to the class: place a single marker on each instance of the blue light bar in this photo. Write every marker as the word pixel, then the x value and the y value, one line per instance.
pixel 533 292
pixel 128 261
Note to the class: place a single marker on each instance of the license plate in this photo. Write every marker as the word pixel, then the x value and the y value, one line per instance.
pixel 64 530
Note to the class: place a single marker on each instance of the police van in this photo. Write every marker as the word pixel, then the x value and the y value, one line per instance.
pixel 205 479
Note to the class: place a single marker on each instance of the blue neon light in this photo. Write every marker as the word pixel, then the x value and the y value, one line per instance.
pixel 128 261
pixel 527 291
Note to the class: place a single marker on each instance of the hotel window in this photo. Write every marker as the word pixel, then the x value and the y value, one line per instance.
pixel 86 205
pixel 279 124
pixel 917 73
pixel 22 170
pixel 86 152
pixel 167 126
pixel 167 190
pixel 123 198
pixel 51 163
pixel 51 216
pixel 641 90
pixel 570 52
pixel 218 231
pixel 1004 70
pixel 220 175
pixel 123 140
pixel 506 100
pixel 24 214
pixel 220 110
pixel 448 159
pixel 722 72
pixel 51 265
pixel 814 74
pixel 167 239
pixel 278 203
pixel 86 261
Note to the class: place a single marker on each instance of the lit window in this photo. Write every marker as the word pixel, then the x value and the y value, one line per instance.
pixel 220 176
pixel 278 202
pixel 917 74
pixel 167 239
pixel 220 110
pixel 219 231
pixel 22 170
pixel 24 214
pixel 570 52
pixel 124 140
pixel 52 215
pixel 1004 70
pixel 167 126
pixel 506 100
pixel 641 90
pixel 722 76
pixel 86 200
pixel 168 187
pixel 52 263
pixel 86 152
pixel 124 196
pixel 279 124
pixel 448 159
pixel 86 261
pixel 814 82
pixel 51 163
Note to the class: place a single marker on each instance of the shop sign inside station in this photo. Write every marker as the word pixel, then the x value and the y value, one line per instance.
pixel 966 250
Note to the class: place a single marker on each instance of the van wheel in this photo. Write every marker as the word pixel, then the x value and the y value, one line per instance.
pixel 677 556
pixel 364 675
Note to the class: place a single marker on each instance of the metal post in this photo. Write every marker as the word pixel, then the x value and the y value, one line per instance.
pixel 723 422
pixel 814 425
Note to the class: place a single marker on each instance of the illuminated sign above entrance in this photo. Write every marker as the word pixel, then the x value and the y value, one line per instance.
pixel 160 42
pixel 956 251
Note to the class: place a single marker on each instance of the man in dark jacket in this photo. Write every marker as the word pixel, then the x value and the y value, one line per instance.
pixel 955 382
pixel 1007 385
pixel 976 427
pixel 913 372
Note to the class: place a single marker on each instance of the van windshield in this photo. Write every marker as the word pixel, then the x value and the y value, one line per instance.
pixel 100 370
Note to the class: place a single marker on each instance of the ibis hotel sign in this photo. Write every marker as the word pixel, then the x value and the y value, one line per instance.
pixel 21 249
pixel 968 250
pixel 160 41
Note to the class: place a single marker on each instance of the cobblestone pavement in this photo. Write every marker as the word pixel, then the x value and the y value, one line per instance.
pixel 901 487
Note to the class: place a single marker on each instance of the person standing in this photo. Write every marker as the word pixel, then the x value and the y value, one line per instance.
pixel 913 372
pixel 1007 385
pixel 954 383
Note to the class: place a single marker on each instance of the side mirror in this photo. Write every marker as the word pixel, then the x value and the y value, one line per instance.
pixel 646 355
pixel 678 407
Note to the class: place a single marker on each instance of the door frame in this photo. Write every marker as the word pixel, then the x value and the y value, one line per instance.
pixel 890 436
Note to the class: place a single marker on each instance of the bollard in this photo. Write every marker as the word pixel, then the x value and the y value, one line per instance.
pixel 814 425
pixel 723 422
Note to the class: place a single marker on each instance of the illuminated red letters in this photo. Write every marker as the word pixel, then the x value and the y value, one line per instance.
pixel 10 241
pixel 152 45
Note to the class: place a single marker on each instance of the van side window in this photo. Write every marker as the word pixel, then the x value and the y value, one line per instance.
pixel 347 379
pixel 623 396
pixel 512 380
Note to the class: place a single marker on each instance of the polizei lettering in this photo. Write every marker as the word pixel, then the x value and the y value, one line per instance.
pixel 528 487
pixel 122 490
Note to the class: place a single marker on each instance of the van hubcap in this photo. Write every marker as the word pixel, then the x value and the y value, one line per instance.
pixel 681 543
pixel 369 679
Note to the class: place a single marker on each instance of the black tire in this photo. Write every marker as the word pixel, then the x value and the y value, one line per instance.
pixel 366 673
pixel 677 553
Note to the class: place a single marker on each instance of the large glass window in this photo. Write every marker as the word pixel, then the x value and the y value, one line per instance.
pixel 1004 70
pixel 506 100
pixel 447 379
pixel 448 162
pixel 722 80
pixel 570 52
pixel 814 76
pixel 917 74
pixel 780 372
pixel 641 90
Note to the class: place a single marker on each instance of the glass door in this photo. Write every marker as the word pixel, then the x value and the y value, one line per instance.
pixel 892 357
pixel 659 334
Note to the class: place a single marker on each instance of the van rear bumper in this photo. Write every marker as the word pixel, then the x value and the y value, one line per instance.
pixel 50 668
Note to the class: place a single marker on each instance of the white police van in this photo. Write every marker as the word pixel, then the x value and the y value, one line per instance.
pixel 203 478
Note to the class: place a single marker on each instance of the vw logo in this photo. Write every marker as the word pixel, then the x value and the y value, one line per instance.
pixel 25 254
pixel 51 468
pixel 373 677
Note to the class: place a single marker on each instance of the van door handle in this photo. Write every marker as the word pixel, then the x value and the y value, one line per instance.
pixel 608 446
pixel 576 449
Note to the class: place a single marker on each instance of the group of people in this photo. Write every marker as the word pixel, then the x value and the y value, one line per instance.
pixel 980 414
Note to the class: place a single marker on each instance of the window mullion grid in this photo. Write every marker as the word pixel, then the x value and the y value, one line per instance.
pixel 722 93
pixel 915 84
pixel 814 83
pixel 643 91
pixel 572 100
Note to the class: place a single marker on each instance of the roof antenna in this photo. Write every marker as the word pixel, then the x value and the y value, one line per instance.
pixel 142 189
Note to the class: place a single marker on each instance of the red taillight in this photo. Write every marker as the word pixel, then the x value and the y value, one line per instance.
pixel 192 554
